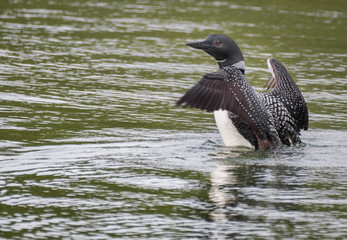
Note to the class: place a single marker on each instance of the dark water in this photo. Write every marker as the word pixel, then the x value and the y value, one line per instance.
pixel 92 146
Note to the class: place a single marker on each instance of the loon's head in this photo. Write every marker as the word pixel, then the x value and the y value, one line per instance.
pixel 221 47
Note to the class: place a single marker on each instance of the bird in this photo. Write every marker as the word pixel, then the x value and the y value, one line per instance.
pixel 243 116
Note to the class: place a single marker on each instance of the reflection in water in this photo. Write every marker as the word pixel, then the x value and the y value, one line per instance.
pixel 283 191
pixel 221 197
pixel 221 178
pixel 252 195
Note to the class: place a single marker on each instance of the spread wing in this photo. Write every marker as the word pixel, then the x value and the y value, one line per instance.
pixel 283 86
pixel 231 91
pixel 212 92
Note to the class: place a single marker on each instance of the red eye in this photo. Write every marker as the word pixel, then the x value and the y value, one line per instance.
pixel 218 42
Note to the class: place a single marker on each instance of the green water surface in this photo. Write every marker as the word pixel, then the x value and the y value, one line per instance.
pixel 93 147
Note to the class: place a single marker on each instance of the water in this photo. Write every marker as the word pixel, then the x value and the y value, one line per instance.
pixel 92 146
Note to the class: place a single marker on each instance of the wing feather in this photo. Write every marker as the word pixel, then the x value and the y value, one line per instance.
pixel 283 86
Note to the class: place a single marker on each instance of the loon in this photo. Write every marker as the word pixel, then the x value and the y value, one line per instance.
pixel 243 116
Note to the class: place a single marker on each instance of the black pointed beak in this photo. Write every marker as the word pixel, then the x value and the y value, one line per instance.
pixel 198 45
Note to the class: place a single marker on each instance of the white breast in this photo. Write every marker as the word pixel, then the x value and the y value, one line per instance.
pixel 231 137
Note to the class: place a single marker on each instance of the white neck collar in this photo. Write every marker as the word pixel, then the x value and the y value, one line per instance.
pixel 240 65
